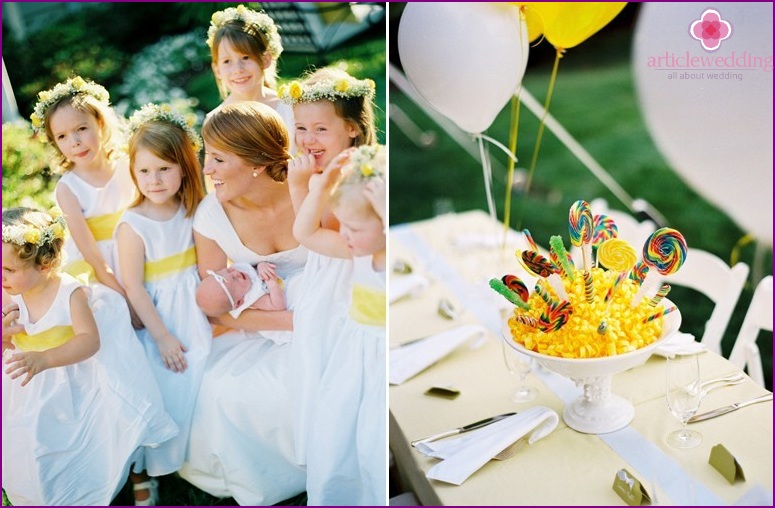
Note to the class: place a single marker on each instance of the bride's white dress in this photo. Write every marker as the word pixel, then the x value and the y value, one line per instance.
pixel 241 442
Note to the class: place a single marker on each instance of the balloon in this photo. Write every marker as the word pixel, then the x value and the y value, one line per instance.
pixel 714 127
pixel 568 24
pixel 465 59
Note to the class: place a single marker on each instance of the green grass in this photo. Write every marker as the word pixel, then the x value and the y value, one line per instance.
pixel 594 99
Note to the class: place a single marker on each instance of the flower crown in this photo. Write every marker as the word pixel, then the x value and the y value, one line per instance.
pixel 22 234
pixel 71 87
pixel 365 162
pixel 260 20
pixel 340 88
pixel 164 113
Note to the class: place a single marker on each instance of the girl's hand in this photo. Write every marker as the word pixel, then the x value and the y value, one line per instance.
pixel 10 326
pixel 27 363
pixel 376 194
pixel 266 271
pixel 171 351
pixel 300 170
pixel 323 182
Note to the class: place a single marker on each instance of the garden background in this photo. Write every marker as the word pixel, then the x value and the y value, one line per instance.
pixel 151 52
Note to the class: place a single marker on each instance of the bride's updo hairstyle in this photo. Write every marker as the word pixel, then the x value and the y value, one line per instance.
pixel 254 132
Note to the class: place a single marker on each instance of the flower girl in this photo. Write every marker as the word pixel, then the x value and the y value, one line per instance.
pixel 76 118
pixel 346 451
pixel 158 268
pixel 75 413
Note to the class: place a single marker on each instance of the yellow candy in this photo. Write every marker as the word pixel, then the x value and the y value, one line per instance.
pixel 579 337
pixel 616 254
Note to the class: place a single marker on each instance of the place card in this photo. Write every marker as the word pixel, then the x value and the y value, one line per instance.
pixel 630 489
pixel 726 464
pixel 447 392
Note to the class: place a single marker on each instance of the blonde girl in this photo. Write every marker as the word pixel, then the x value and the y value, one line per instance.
pixel 332 111
pixel 95 187
pixel 75 412
pixel 346 459
pixel 157 263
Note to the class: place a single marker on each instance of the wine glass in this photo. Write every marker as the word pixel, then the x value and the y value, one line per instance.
pixel 683 397
pixel 519 365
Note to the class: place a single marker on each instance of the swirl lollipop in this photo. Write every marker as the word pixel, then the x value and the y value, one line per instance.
pixel 580 228
pixel 604 228
pixel 515 284
pixel 555 317
pixel 617 255
pixel 510 294
pixel 638 272
pixel 665 252
pixel 544 268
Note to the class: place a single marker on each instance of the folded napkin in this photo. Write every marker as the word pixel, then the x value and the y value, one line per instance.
pixel 411 359
pixel 680 344
pixel 407 285
pixel 463 456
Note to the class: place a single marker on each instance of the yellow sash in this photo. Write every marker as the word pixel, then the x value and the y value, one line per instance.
pixel 42 341
pixel 102 226
pixel 82 271
pixel 368 306
pixel 155 270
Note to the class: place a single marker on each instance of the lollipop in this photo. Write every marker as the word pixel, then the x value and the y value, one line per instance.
pixel 515 284
pixel 580 228
pixel 603 229
pixel 664 251
pixel 529 239
pixel 543 268
pixel 617 255
pixel 639 271
pixel 555 316
pixel 663 291
pixel 505 291
pixel 527 320
pixel 561 256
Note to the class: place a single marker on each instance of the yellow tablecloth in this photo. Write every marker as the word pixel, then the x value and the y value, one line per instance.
pixel 566 467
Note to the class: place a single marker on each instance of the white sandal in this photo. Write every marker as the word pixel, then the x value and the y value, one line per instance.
pixel 152 486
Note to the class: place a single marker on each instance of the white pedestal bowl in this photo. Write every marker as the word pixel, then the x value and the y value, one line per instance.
pixel 597 410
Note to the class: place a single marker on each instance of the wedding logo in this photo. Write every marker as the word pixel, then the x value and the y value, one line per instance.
pixel 710 30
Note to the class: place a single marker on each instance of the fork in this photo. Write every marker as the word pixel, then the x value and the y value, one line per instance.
pixel 707 387
pixel 512 449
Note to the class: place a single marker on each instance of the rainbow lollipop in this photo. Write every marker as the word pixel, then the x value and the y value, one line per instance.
pixel 544 268
pixel 508 293
pixel 603 228
pixel 555 317
pixel 581 228
pixel 665 252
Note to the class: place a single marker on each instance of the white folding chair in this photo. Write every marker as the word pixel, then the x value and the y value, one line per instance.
pixel 745 353
pixel 708 274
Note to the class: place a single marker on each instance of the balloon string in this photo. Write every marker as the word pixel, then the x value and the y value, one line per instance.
pixel 487 172
pixel 515 103
pixel 541 125
pixel 497 143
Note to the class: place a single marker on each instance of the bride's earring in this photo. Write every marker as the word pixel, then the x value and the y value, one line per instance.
pixel 255 174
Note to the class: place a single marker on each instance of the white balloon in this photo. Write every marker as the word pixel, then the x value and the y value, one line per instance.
pixel 465 59
pixel 711 117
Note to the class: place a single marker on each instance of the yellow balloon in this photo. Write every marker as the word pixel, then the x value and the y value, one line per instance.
pixel 568 24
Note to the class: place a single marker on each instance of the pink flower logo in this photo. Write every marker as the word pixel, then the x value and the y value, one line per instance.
pixel 710 30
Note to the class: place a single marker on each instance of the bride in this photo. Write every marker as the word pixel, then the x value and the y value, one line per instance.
pixel 241 441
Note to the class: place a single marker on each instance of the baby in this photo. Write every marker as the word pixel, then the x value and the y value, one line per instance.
pixel 240 287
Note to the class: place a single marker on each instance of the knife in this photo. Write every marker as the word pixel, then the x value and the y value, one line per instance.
pixel 727 409
pixel 464 428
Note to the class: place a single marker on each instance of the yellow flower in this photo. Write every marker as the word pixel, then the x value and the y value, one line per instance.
pixel 217 18
pixel 44 95
pixel 191 119
pixel 242 10
pixel 367 170
pixel 36 121
pixel 55 212
pixel 166 108
pixel 341 85
pixel 57 231
pixel 282 91
pixel 78 82
pixel 31 235
pixel 371 83
pixel 295 90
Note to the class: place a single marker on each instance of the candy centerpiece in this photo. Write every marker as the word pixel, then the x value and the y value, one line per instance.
pixel 592 323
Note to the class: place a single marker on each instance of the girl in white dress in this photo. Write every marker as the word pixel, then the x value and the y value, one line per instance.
pixel 347 449
pixel 157 262
pixel 76 118
pixel 241 442
pixel 78 399
pixel 333 111
pixel 244 46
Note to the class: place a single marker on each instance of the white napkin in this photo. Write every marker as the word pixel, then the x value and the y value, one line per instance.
pixel 463 456
pixel 407 285
pixel 408 361
pixel 680 344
